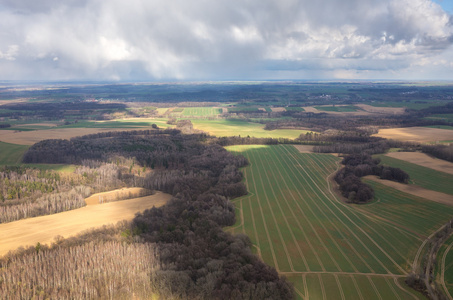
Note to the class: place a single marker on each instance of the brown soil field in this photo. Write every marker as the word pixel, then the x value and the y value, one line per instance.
pixel 416 134
pixel 381 110
pixel 278 109
pixel 45 228
pixel 304 148
pixel 416 190
pixel 424 160
pixel 32 137
pixel 262 109
pixel 124 193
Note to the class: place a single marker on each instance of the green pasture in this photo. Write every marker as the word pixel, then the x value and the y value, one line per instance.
pixel 295 109
pixel 223 127
pixel 324 246
pixel 337 286
pixel 417 215
pixel 422 176
pixel 11 154
pixel 348 108
pixel 201 111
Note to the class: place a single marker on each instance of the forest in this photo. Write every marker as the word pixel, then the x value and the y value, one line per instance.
pixel 196 258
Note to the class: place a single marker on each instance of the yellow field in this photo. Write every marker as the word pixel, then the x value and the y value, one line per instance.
pixel 119 194
pixel 416 134
pixel 44 229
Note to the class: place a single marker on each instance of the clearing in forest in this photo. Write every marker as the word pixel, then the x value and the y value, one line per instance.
pixel 115 195
pixel 329 249
pixel 416 134
pixel 45 228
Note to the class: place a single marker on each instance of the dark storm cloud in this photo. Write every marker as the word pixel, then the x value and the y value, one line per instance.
pixel 201 39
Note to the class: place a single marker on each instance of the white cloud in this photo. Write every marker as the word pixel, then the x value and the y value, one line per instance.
pixel 202 39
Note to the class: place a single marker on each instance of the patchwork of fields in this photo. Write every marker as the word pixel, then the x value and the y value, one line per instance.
pixel 328 249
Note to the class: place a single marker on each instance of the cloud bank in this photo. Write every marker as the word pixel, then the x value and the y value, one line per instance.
pixel 225 39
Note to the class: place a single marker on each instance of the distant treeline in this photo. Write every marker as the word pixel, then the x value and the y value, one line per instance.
pixel 60 110
pixel 198 259
pixel 5 125
pixel 324 121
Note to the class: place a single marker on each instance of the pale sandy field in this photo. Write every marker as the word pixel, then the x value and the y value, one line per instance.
pixel 45 228
pixel 416 134
pixel 415 190
pixel 381 110
pixel 304 148
pixel 424 160
pixel 114 195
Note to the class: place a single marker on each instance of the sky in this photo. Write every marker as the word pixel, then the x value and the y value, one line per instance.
pixel 177 40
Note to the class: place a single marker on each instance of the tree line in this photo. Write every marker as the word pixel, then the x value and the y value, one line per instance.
pixel 359 165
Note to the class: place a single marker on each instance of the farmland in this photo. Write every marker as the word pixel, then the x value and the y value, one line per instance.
pixel 422 176
pixel 327 248
pixel 424 160
pixel 243 128
pixel 416 134
pixel 444 267
pixel 43 229
pixel 11 154
pixel 201 111
pixel 346 108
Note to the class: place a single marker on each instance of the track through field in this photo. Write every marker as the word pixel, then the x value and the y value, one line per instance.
pixel 327 248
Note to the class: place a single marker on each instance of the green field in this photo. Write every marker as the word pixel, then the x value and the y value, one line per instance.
pixel 11 154
pixel 201 111
pixel 425 177
pixel 444 268
pixel 328 249
pixel 348 108
pixel 295 109
pixel 224 127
